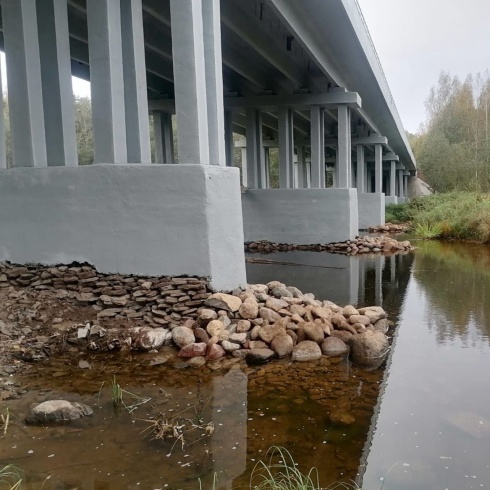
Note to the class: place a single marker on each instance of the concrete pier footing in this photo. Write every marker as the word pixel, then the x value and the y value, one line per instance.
pixel 136 219
pixel 301 216
pixel 391 200
pixel 371 210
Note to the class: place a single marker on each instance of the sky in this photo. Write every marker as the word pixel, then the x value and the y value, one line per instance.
pixel 416 39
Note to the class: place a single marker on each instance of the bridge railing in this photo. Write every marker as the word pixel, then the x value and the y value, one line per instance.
pixel 376 54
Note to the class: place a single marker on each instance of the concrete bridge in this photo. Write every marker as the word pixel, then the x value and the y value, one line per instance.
pixel 303 77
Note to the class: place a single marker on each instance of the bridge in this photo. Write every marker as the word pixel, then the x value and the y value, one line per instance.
pixel 299 77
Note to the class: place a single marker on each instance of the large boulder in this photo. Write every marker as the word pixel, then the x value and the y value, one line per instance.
pixel 57 412
pixel 306 351
pixel 183 336
pixel 282 345
pixel 334 347
pixel 369 348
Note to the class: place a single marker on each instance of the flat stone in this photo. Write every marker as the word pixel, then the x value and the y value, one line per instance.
pixel 238 338
pixel 57 412
pixel 276 304
pixel 259 356
pixel 109 313
pixel 224 302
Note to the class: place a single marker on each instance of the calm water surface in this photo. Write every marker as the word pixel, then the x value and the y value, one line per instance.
pixel 421 422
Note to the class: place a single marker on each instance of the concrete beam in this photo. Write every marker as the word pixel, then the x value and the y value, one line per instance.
pixel 296 101
pixel 374 139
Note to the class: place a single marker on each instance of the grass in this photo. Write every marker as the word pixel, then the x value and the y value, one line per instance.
pixel 453 215
pixel 11 476
pixel 4 421
pixel 118 394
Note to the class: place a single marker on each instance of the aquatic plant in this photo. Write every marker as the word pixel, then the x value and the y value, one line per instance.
pixel 4 421
pixel 11 476
pixel 428 231
pixel 118 397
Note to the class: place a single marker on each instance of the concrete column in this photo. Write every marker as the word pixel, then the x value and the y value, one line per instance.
pixel 302 179
pixel 255 154
pixel 317 148
pixel 286 148
pixel 400 183
pixel 135 87
pixel 343 148
pixel 214 80
pixel 378 169
pixel 164 137
pixel 405 185
pixel 267 166
pixel 3 146
pixel 229 141
pixel 190 81
pixel 244 168
pixel 107 81
pixel 361 170
pixel 25 83
pixel 58 103
pixel 392 179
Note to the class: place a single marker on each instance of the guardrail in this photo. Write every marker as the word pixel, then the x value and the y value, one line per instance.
pixel 377 57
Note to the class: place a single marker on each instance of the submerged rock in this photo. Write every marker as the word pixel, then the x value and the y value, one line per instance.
pixel 259 356
pixel 369 348
pixel 334 347
pixel 306 351
pixel 57 412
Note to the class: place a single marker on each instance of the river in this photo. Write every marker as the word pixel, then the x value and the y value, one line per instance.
pixel 423 421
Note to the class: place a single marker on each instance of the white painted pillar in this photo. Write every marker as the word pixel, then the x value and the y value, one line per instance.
pixel 106 81
pixel 317 148
pixel 190 81
pixel 229 141
pixel 135 87
pixel 361 170
pixel 255 155
pixel 214 81
pixel 343 166
pixel 164 137
pixel 58 103
pixel 286 148
pixel 302 179
pixel 25 85
pixel 400 183
pixel 244 167
pixel 3 145
pixel 378 169
pixel 392 179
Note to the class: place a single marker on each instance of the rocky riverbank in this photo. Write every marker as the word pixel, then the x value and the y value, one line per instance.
pixel 361 245
pixel 390 228
pixel 45 311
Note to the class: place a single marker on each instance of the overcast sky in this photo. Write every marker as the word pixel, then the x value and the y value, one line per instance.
pixel 416 39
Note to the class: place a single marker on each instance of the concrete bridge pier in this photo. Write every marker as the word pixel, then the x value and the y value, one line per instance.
pixel 302 210
pixel 121 214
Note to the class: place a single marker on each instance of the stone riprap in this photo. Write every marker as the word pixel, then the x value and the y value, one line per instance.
pixel 389 228
pixel 361 245
pixel 258 324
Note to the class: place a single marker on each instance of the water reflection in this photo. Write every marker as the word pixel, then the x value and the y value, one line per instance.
pixel 251 408
pixel 432 428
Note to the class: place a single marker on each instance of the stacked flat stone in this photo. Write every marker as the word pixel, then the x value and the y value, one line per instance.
pixel 389 228
pixel 361 245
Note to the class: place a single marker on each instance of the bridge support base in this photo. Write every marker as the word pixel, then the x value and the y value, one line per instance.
pixel 371 210
pixel 391 200
pixel 130 219
pixel 301 216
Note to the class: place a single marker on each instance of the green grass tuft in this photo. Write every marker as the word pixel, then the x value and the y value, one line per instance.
pixel 11 476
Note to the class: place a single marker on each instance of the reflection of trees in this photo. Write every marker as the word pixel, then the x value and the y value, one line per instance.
pixel 456 281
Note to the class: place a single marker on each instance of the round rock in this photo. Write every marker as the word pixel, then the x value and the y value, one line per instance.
pixel 183 336
pixel 57 412
pixel 334 347
pixel 307 351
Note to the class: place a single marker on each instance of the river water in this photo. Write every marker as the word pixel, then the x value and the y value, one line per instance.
pixel 421 421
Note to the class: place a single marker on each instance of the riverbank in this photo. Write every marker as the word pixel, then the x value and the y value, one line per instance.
pixel 454 215
pixel 48 311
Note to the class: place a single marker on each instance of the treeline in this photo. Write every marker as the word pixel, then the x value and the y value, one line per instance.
pixel 452 147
